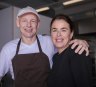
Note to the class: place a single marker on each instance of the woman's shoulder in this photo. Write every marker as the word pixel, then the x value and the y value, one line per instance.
pixel 77 56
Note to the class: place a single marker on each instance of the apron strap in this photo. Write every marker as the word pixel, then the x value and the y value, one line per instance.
pixel 18 45
pixel 38 42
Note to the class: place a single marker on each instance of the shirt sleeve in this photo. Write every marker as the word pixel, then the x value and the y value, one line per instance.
pixel 50 49
pixel 81 68
pixel 4 63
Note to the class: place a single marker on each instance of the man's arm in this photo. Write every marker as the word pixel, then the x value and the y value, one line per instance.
pixel 4 63
pixel 81 45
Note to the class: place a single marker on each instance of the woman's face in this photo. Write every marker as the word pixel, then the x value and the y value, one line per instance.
pixel 61 34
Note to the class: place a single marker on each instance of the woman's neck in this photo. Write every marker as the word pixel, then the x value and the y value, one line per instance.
pixel 60 50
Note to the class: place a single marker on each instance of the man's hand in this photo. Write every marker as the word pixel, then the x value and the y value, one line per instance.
pixel 82 46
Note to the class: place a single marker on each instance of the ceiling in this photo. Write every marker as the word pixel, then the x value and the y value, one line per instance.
pixel 78 11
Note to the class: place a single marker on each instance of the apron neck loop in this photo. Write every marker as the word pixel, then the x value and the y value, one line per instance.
pixel 38 42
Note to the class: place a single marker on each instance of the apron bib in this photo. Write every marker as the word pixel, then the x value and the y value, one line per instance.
pixel 30 70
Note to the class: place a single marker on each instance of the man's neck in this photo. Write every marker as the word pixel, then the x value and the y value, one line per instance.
pixel 28 41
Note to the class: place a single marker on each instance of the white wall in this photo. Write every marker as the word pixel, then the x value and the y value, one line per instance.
pixel 44 25
pixel 16 30
pixel 5 26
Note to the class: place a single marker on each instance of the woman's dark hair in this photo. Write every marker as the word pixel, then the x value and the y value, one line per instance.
pixel 65 18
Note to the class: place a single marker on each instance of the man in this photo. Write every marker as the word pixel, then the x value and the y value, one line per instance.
pixel 28 59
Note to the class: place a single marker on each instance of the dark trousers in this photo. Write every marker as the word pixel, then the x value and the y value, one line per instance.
pixel 6 81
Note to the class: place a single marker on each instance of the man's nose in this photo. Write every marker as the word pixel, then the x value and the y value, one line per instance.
pixel 29 24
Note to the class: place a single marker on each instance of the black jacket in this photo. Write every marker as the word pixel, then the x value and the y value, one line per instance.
pixel 70 70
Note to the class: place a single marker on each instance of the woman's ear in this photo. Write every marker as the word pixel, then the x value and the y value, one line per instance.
pixel 72 33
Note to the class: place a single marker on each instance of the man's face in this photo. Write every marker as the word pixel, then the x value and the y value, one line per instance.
pixel 28 24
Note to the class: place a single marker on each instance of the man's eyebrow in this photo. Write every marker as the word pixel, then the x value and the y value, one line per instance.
pixel 53 28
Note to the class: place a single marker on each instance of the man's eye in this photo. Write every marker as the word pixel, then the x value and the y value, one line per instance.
pixel 23 20
pixel 33 21
pixel 54 30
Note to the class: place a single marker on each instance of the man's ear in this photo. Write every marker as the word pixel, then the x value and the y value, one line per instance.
pixel 17 22
pixel 38 24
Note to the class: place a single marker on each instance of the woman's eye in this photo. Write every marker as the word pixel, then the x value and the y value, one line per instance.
pixel 64 30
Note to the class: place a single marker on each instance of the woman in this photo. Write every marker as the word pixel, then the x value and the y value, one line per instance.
pixel 69 69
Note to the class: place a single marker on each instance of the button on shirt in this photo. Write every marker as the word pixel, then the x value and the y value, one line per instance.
pixel 9 51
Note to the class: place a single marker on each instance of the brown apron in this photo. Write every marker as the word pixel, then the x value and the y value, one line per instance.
pixel 30 70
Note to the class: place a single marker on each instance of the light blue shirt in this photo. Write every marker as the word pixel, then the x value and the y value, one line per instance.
pixel 9 50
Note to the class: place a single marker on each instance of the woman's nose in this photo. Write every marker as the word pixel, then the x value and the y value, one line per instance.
pixel 58 33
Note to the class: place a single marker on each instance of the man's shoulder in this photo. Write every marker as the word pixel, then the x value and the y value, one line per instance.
pixel 46 41
pixel 44 38
pixel 11 44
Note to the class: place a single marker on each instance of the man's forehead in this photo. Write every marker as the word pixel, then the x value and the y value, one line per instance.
pixel 29 14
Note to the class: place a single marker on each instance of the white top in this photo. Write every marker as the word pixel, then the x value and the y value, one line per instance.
pixel 9 50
